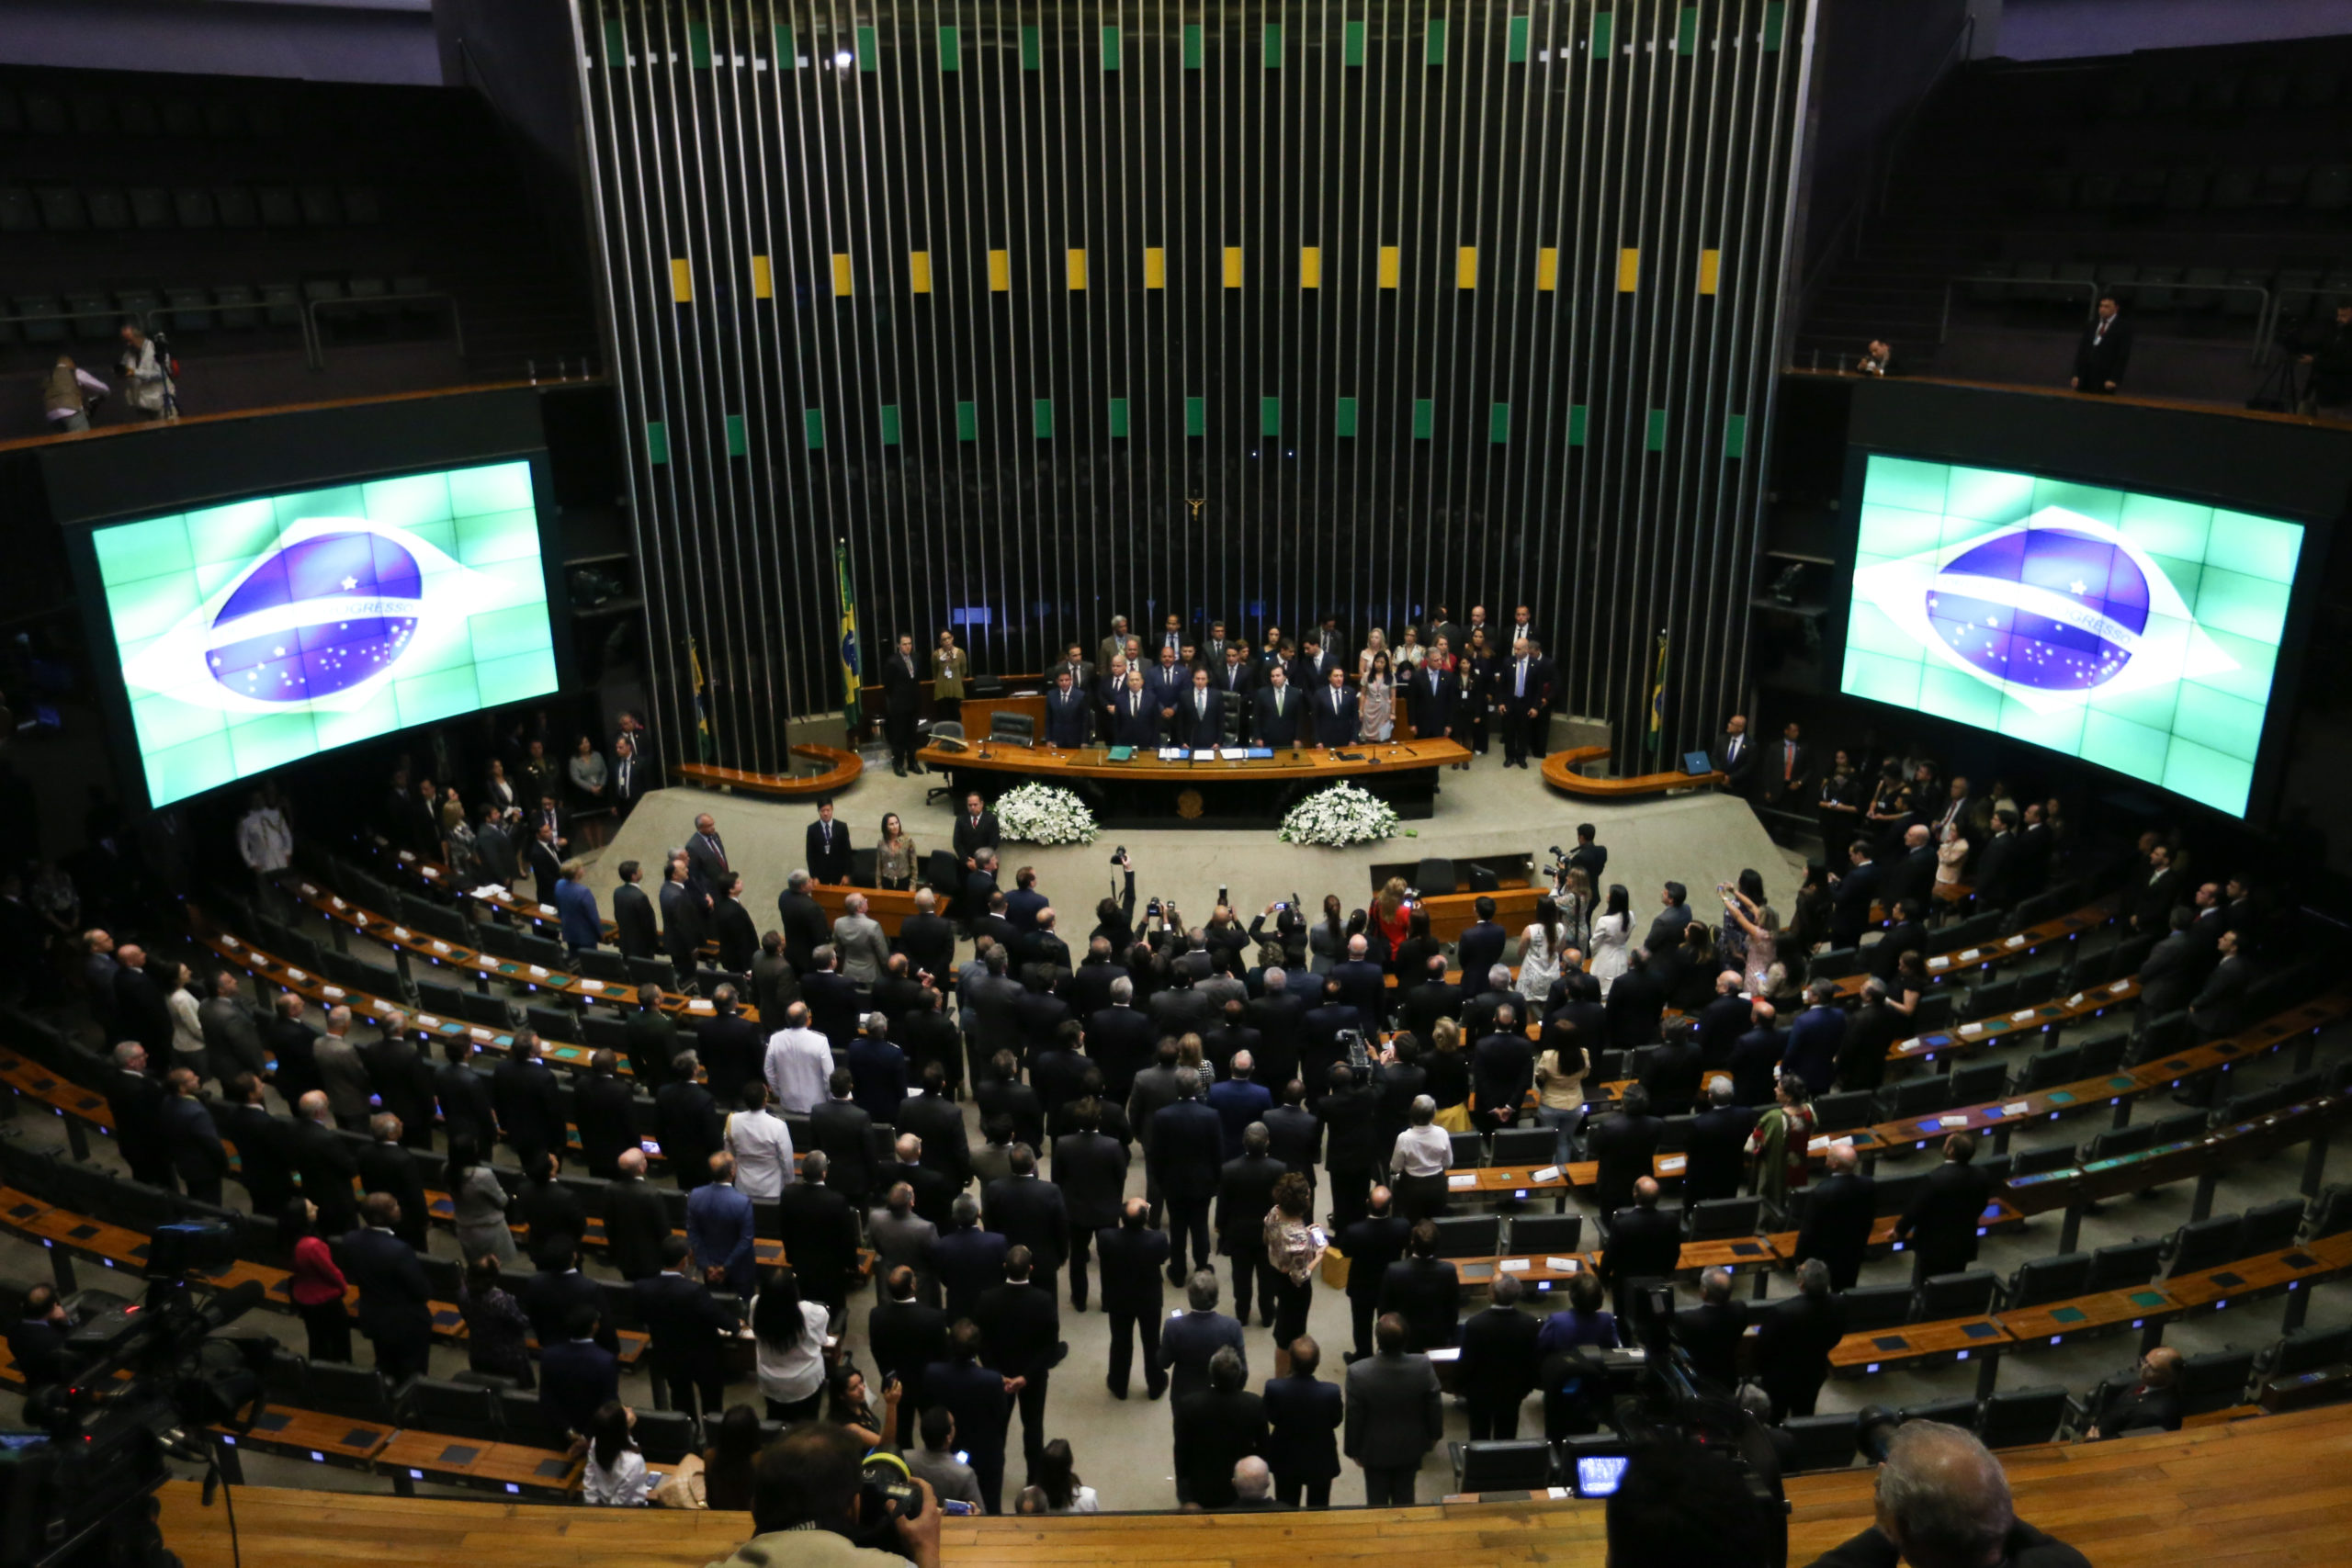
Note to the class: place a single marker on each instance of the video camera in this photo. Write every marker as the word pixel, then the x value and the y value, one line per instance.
pixel 76 1491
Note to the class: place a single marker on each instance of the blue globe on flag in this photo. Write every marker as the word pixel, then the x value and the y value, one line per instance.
pixel 316 617
pixel 2054 609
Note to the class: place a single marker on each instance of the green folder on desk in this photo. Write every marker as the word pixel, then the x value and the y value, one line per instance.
pixel 1122 753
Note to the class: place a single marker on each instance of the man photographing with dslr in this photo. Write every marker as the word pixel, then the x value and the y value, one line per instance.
pixel 810 1506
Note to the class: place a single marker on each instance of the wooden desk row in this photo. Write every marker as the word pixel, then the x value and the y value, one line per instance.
pixel 2001 950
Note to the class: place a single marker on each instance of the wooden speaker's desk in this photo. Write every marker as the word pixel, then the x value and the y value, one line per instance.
pixel 1144 791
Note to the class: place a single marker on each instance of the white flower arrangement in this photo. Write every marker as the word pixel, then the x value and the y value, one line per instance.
pixel 1039 813
pixel 1339 817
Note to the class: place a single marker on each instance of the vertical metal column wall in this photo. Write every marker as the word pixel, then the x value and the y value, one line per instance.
pixel 1254 311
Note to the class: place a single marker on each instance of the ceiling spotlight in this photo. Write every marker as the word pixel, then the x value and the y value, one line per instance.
pixel 844 60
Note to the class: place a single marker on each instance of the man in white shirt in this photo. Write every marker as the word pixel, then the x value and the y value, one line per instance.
pixel 761 1144
pixel 799 1061
pixel 263 840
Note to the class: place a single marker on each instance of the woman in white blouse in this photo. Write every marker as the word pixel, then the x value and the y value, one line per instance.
pixel 187 1026
pixel 1539 952
pixel 615 1476
pixel 788 1334
pixel 1423 1151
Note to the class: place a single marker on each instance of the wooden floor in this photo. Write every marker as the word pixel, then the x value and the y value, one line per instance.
pixel 2272 1491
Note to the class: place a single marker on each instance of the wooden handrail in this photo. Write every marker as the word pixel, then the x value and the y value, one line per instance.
pixel 1560 772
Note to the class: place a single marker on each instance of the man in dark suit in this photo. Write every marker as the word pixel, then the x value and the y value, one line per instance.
pixel 1214 1428
pixel 263 1145
pixel 1644 1246
pixel 730 923
pixel 1370 1245
pixel 1735 756
pixel 1636 1002
pixel 1499 1362
pixel 1940 1225
pixel 2170 974
pixel 1710 1333
pixel 939 1123
pixel 637 1221
pixel 681 921
pixel 1199 714
pixel 135 1099
pixel 633 922
pixel 1091 1171
pixel 37 1341
pixel 1335 711
pixel 977 1396
pixel 649 1037
pixel 1245 1193
pixel 1624 1142
pixel 1782 771
pixel 818 1228
pixel 906 1334
pixel 190 1140
pixel 1907 934
pixel 1303 1418
pixel 688 1328
pixel 466 1106
pixel 403 1079
pixel 1431 693
pixel 1424 1289
pixel 323 1158
pixel 1755 1056
pixel 1281 715
pixel 395 1310
pixel 1839 1211
pixel 605 1109
pixel 902 700
pixel 140 1011
pixel 803 922
pixel 1120 1040
pixel 1134 712
pixel 2150 1399
pixel 2104 352
pixel 1237 684
pixel 1523 697
pixel 295 1046
pixel 1723 1021
pixel 1183 1153
pixel 1296 1136
pixel 1715 1147
pixel 928 939
pixel 1346 1112
pixel 828 848
pixel 1395 1415
pixel 1870 1033
pixel 1481 944
pixel 935 1191
pixel 1428 997
pixel 976 829
pixel 1811 1053
pixel 578 1376
pixel 1911 879
pixel 1166 684
pixel 1069 713
pixel 1190 1338
pixel 1673 1074
pixel 687 1120
pixel 1030 1213
pixel 1851 895
pixel 1021 1330
pixel 1793 1346
pixel 966 1258
pixel 1592 857
pixel 542 854
pixel 1240 1099
pixel 1502 1071
pixel 523 1088
pixel 1134 1257
pixel 385 1167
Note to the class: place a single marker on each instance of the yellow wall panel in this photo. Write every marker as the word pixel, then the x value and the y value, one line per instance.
pixel 763 279
pixel 1154 267
pixel 1547 268
pixel 1233 266
pixel 1629 270
pixel 1310 266
pixel 1711 265
pixel 1465 268
pixel 843 283
pixel 918 271
pixel 682 280
pixel 1000 272
pixel 1391 266
pixel 1077 267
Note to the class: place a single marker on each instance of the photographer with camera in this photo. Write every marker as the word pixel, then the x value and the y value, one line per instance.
pixel 810 1485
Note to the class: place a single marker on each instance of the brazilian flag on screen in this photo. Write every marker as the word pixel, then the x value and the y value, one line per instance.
pixel 849 633
pixel 1657 698
pixel 705 742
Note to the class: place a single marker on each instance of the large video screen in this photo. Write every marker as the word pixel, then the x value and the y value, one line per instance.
pixel 264 631
pixel 2139 631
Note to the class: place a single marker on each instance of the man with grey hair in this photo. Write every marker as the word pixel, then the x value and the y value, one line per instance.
pixel 1253 1486
pixel 859 944
pixel 1191 1339
pixel 135 1099
pixel 798 1063
pixel 1119 1040
pixel 1793 1343
pixel 1215 1428
pixel 1870 1032
pixel 1363 986
pixel 1942 1502
pixel 1184 1154
pixel 342 1073
pixel 1710 1333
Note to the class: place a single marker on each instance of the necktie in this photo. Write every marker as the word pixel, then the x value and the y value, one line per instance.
pixel 1734 755
pixel 828 833
pixel 1278 700
pixel 1788 762
pixel 1201 703
pixel 1521 690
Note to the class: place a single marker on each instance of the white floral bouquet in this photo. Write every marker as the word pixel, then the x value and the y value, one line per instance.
pixel 1040 814
pixel 1339 817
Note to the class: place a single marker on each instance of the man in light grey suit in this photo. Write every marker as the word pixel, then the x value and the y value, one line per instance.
pixel 900 1236
pixel 1395 1416
pixel 857 937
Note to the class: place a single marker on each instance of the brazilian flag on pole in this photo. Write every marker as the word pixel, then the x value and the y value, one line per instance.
pixel 705 742
pixel 849 634
pixel 1657 698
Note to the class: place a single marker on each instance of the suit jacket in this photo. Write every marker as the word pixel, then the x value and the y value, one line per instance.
pixel 650 1039
pixel 2169 975
pixel 818 1228
pixel 1069 716
pixel 1793 1343
pixel 1185 1149
pixel 605 1109
pixel 1709 1334
pixel 547 867
pixel 577 1377
pixel 681 923
pixel 1188 1340
pixel 939 1123
pixel 1334 726
pixel 1940 1223
pixel 1838 1214
pixel 1716 1153
pixel 324 1159
pixel 1432 694
pixel 1502 1070
pixel 1913 877
pixel 1499 1359
pixel 971 837
pixel 1849 904
pixel 928 943
pixel 1200 716
pixel 1303 1416
pixel 1395 1412
pixel 906 1336
pixel 1090 1169
pixel 975 1395
pixel 191 1140
pixel 1871 1030
pixel 1636 1003
pixel 739 940
pixel 295 1045
pixel 685 1323
pixel 2137 1406
pixel 832 1003
pixel 1427 1293
pixel 394 1299
pixel 1028 1211
pixel 466 1102
pixel 1810 1052
pixel 633 921
pixel 719 1227
pixel 231 1037
pixel 524 1091
pixel 690 1129
pixel 828 851
pixel 1021 1328
pixel 968 1260
pixel 388 1168
pixel 1997 875
pixel 1279 728
pixel 265 1163
pixel 404 1080
pixel 1644 1244
pixel 637 1222
pixel 1721 1023
pixel 1244 1194
pixel 2101 357
pixel 1752 1061
pixel 1214 1432
pixel 1134 1265
pixel 805 928
pixel 1626 1148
